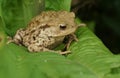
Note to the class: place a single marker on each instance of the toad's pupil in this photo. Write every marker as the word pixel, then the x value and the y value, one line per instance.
pixel 62 27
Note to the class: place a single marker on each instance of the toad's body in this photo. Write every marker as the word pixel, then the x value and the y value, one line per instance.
pixel 46 31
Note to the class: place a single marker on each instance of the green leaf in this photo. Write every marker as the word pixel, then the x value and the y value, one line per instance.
pixel 16 62
pixel 89 42
pixel 17 13
pixel 58 5
pixel 91 53
pixel 2 33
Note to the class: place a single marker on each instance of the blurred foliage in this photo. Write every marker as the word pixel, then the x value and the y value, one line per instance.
pixel 108 22
pixel 58 5
pixel 110 14
pixel 17 13
pixel 106 15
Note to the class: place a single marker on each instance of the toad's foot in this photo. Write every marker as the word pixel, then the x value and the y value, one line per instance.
pixel 59 52
pixel 43 49
pixel 64 52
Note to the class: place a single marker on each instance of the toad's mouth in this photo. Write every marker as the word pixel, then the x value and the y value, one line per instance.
pixel 64 33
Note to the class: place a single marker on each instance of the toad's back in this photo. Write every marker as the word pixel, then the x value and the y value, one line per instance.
pixel 51 18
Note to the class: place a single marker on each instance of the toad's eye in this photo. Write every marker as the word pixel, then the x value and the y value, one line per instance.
pixel 63 26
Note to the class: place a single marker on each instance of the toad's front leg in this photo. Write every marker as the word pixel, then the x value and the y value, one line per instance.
pixel 71 37
pixel 34 48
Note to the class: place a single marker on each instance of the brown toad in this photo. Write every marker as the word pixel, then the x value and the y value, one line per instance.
pixel 47 30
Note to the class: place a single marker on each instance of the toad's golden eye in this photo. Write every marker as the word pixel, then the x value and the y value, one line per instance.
pixel 62 26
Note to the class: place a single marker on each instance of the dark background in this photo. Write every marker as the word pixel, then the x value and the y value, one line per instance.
pixel 105 14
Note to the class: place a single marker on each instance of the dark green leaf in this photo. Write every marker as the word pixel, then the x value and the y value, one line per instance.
pixel 58 5
pixel 17 62
pixel 17 13
pixel 91 53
